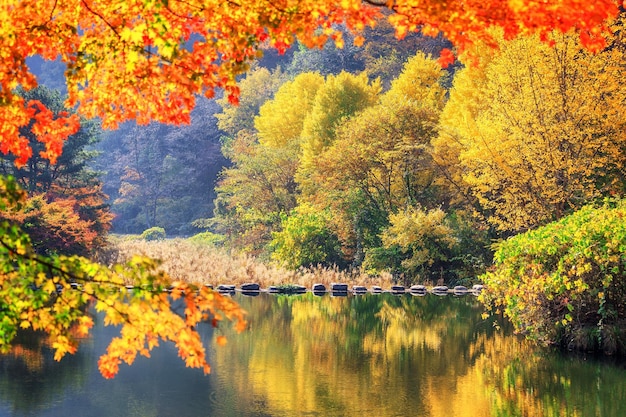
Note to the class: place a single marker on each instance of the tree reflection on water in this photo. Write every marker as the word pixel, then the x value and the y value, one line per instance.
pixel 380 355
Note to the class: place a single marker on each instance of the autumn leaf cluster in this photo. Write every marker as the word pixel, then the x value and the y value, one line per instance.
pixel 54 294
pixel 146 60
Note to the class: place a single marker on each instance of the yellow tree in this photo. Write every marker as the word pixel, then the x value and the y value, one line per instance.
pixel 340 97
pixel 380 159
pixel 544 133
pixel 458 121
pixel 260 186
pixel 255 89
pixel 281 119
pixel 385 149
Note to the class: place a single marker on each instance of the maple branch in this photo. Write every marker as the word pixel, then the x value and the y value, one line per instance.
pixel 53 268
pixel 92 11
pixel 233 3
pixel 54 7
pixel 377 3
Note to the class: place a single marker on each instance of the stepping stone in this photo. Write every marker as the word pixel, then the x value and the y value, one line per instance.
pixel 337 287
pixel 397 289
pixel 250 287
pixel 460 290
pixel 225 288
pixel 359 289
pixel 440 290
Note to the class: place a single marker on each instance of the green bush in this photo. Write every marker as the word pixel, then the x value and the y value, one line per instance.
pixel 208 238
pixel 153 233
pixel 306 240
pixel 564 283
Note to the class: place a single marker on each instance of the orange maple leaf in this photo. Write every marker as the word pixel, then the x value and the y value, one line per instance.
pixel 446 58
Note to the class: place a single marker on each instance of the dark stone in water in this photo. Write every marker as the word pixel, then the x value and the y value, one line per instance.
pixel 440 290
pixel 250 287
pixel 359 289
pixel 225 288
pixel 272 289
pixel 299 289
pixel 319 293
pixel 460 290
pixel 397 289
pixel 319 288
pixel 376 289
pixel 250 293
pixel 339 287
pixel 339 293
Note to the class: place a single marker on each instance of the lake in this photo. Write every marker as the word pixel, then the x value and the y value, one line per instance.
pixel 370 355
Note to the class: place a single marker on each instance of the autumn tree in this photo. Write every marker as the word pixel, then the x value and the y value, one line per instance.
pixel 422 241
pixel 547 134
pixel 260 185
pixel 255 191
pixel 281 120
pixel 54 226
pixel 380 161
pixel 340 97
pixel 68 186
pixel 71 169
pixel 255 89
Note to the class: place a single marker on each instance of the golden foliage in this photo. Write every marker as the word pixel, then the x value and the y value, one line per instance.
pixel 538 130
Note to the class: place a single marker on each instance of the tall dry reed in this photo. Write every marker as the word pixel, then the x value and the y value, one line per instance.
pixel 194 262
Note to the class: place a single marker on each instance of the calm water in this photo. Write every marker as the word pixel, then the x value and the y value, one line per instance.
pixel 360 356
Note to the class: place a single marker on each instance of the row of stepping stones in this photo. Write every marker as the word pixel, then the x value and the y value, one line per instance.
pixel 340 288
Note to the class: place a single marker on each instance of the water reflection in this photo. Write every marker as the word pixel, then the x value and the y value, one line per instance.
pixel 380 355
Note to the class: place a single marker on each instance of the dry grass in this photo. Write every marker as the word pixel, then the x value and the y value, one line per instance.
pixel 192 262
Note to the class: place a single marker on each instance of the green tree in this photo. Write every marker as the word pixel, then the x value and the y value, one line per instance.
pixel 424 239
pixel 562 283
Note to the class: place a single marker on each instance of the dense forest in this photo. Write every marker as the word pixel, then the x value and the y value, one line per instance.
pixel 165 176
pixel 375 157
